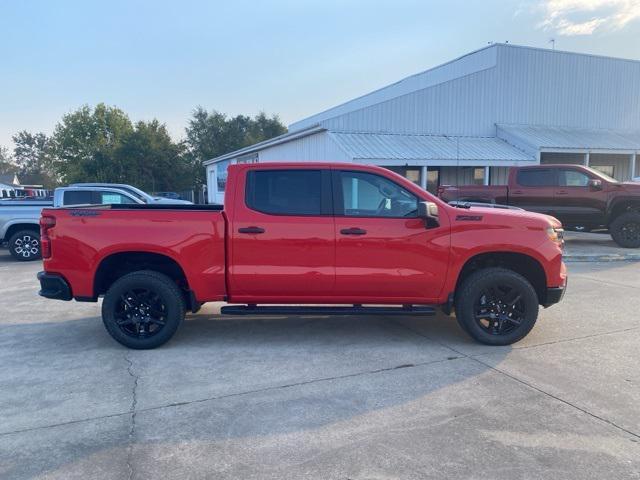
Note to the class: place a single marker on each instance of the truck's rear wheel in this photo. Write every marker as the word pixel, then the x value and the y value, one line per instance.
pixel 143 309
pixel 496 306
pixel 625 230
pixel 25 245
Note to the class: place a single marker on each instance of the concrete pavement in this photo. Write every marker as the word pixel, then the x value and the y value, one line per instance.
pixel 311 397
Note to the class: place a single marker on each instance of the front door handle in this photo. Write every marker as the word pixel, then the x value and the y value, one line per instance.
pixel 562 192
pixel 516 192
pixel 254 230
pixel 353 231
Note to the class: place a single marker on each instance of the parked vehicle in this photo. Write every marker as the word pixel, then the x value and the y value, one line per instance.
pixel 19 227
pixel 580 197
pixel 170 195
pixel 19 218
pixel 296 234
pixel 143 196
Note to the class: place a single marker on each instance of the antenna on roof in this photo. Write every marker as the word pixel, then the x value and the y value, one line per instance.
pixel 552 41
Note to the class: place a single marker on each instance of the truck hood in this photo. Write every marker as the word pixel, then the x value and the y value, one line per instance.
pixel 631 187
pixel 538 219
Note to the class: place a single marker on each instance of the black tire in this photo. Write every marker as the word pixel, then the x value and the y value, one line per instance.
pixel 625 230
pixel 496 306
pixel 142 310
pixel 24 245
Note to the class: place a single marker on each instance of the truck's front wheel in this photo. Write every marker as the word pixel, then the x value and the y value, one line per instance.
pixel 625 230
pixel 143 309
pixel 496 306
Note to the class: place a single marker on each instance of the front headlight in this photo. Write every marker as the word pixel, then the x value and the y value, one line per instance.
pixel 556 235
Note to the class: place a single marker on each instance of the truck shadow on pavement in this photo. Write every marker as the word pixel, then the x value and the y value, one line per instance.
pixel 218 384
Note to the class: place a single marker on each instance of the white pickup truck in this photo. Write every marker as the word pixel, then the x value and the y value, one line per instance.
pixel 19 219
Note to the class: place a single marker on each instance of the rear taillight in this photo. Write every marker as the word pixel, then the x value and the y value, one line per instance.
pixel 47 222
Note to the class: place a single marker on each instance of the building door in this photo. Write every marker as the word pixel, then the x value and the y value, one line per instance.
pixel 282 235
pixel 384 253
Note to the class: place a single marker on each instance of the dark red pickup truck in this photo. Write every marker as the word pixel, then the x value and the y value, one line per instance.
pixel 357 239
pixel 580 197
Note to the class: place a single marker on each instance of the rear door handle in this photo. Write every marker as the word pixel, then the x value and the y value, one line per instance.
pixel 353 231
pixel 254 230
pixel 516 192
pixel 562 192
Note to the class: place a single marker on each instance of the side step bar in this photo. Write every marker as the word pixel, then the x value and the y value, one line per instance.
pixel 327 310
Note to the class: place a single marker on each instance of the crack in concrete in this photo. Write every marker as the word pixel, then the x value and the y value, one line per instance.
pixel 132 413
pixel 533 387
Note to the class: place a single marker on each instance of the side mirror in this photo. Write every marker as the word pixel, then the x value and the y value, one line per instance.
pixel 595 184
pixel 429 212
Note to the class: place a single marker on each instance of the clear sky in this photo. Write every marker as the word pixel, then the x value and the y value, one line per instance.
pixel 157 58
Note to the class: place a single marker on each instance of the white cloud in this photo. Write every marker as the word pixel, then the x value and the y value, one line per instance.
pixel 584 17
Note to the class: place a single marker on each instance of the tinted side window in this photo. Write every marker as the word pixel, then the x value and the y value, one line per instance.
pixel 285 192
pixel 572 178
pixel 370 195
pixel 536 178
pixel 78 198
pixel 115 198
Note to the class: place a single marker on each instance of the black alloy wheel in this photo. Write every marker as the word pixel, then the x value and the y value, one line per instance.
pixel 500 309
pixel 140 313
pixel 496 306
pixel 625 230
pixel 143 309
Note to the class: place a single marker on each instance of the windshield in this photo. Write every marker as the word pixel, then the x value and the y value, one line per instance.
pixel 603 175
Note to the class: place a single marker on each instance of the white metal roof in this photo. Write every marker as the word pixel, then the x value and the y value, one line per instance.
pixel 565 138
pixel 443 148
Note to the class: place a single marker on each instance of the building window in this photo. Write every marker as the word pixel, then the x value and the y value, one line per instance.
pixel 606 169
pixel 221 175
pixel 410 173
pixel 285 192
pixel 478 176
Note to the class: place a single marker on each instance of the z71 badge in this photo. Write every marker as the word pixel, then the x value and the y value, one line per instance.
pixel 469 218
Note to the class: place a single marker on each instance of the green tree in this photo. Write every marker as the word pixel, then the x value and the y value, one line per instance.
pixel 151 160
pixel 6 162
pixel 85 142
pixel 211 134
pixel 32 155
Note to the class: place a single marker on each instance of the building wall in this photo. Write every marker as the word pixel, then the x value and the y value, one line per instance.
pixel 620 163
pixel 526 86
pixel 571 158
pixel 499 175
pixel 318 147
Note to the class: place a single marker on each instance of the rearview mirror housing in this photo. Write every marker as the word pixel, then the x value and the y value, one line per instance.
pixel 429 212
pixel 595 184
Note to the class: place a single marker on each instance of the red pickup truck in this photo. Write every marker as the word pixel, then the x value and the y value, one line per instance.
pixel 580 197
pixel 357 239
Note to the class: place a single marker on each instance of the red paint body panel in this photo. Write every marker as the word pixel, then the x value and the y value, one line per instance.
pixel 194 239
pixel 301 259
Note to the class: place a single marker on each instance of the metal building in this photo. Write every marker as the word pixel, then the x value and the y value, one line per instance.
pixel 468 120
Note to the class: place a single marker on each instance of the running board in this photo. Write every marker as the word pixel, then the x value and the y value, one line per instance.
pixel 355 310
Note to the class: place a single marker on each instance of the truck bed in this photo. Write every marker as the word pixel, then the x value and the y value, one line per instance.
pixel 475 193
pixel 192 235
